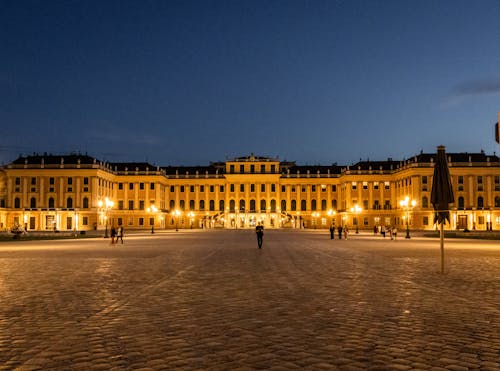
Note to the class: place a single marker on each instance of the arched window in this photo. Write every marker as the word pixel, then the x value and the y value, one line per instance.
pixel 172 204
pixel 191 204
pixel 252 206
pixel 425 202
pixel 33 203
pixel 303 205
pixel 323 205
pixel 69 203
pixel 283 205
pixel 51 203
pixel 221 205
pixel 85 203
pixel 202 204
pixel 313 205
pixel 480 202
pixel 497 201
pixel 460 202
pixel 294 205
pixel 17 203
pixel 232 205
pixel 242 205
pixel 273 206
pixel 182 205
pixel 334 204
pixel 211 205
pixel 262 206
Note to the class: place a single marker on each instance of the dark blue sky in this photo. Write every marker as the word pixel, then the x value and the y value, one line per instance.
pixel 189 82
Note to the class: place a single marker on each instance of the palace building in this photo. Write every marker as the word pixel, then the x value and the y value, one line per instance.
pixel 79 192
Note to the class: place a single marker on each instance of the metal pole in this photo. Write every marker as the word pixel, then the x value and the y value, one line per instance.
pixel 441 237
pixel 407 224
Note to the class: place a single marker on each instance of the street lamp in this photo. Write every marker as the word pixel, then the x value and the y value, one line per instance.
pixel 356 210
pixel 408 205
pixel 191 219
pixel 177 213
pixel 106 205
pixel 152 209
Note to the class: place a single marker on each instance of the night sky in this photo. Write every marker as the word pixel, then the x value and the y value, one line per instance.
pixel 189 82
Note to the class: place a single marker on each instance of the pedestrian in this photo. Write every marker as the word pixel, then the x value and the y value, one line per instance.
pixel 339 231
pixel 375 230
pixel 119 235
pixel 332 231
pixel 394 232
pixel 259 230
pixel 382 231
pixel 346 232
pixel 113 234
pixel 390 232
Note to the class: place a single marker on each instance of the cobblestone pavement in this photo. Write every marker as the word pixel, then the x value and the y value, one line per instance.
pixel 212 300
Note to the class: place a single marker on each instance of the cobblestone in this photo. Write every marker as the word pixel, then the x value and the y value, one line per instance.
pixel 211 300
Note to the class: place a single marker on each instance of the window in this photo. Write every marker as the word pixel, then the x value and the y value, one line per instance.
pixel 365 204
pixel 252 205
pixel 375 185
pixel 141 221
pixel 273 187
pixel 334 204
pixel 273 206
pixel 425 202
pixel 182 205
pixel 354 186
pixel 33 181
pixel 232 206
pixel 221 188
pixel 334 188
pixel 202 188
pixel 151 221
pixel 262 168
pixel 172 204
pixel 387 205
pixel 33 203
pixel 480 220
pixel 86 203
pixel 17 203
pixel 424 179
pixel 365 185
pixel 51 181
pixel 131 186
pixel 85 220
pixel 212 189
pixel 211 205
pixel 426 220
pixel 283 189
pixel 387 185
pixel 293 189
pixel 313 188
pixel 18 181
pixel 294 205
pixel 69 203
pixel 323 205
pixel 497 182
pixel 191 204
pixel 242 205
pixel 51 203
pixel 172 189
pixel 151 186
pixel 231 188
pixel 497 201
pixel 376 205
pixel 182 189
pixel 283 205
pixel 262 205
pixel 252 188
pixel 252 169
pixel 242 168
pixel 480 202
pixel 313 205
pixel 221 205
pixel 479 184
pixel 303 205
pixel 262 187
pixel 141 186
pixel 191 189
pixel 273 169
pixel 131 204
pixel 120 204
pixel 231 169
pixel 202 205
pixel 141 204
pixel 460 202
pixel 242 188
pixel 85 180
pixel 120 186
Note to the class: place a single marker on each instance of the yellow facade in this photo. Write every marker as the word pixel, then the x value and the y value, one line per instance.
pixel 79 192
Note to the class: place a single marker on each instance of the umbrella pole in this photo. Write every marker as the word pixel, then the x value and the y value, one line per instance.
pixel 441 235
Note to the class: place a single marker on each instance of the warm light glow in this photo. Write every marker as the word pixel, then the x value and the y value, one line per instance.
pixel 356 209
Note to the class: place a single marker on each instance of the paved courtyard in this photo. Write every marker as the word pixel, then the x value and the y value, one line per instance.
pixel 211 300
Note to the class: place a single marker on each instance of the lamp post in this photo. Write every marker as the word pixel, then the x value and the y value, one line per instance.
pixel 356 210
pixel 407 204
pixel 106 205
pixel 191 219
pixel 152 209
pixel 177 213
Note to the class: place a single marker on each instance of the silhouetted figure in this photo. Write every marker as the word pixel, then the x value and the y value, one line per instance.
pixel 119 235
pixel 332 231
pixel 259 230
pixel 339 230
pixel 113 234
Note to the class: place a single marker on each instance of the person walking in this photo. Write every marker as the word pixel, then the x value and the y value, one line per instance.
pixel 119 235
pixel 382 231
pixel 259 230
pixel 113 234
pixel 332 231
pixel 346 232
pixel 394 232
pixel 339 231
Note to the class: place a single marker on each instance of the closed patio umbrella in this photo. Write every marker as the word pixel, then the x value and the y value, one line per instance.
pixel 441 195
